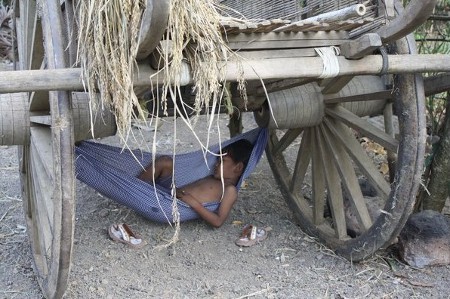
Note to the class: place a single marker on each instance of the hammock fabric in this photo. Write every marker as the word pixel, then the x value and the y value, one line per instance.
pixel 113 172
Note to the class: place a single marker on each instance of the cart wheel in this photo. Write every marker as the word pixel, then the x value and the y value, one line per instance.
pixel 323 197
pixel 46 161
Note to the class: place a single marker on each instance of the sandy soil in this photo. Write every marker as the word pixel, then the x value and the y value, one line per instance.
pixel 205 263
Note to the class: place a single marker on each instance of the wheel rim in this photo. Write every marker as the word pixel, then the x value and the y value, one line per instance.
pixel 317 167
pixel 46 162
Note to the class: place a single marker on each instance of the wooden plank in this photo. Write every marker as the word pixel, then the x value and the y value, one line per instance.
pixel 363 126
pixel 348 178
pixel 286 36
pixel 271 54
pixel 288 44
pixel 334 187
pixel 359 156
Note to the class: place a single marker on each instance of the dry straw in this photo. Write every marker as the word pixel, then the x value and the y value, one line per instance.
pixel 6 38
pixel 108 44
pixel 107 47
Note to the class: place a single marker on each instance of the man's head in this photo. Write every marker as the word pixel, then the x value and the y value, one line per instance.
pixel 239 151
pixel 235 159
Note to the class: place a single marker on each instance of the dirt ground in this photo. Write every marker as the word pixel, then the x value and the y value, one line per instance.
pixel 205 263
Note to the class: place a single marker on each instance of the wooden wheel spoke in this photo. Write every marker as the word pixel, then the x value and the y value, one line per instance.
pixel 318 180
pixel 42 184
pixel 363 126
pixel 287 139
pixel 285 178
pixel 373 96
pixel 348 177
pixel 364 163
pixel 41 143
pixel 301 163
pixel 30 36
pixel 333 183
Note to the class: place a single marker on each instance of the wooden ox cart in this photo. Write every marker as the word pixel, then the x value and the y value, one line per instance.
pixel 318 99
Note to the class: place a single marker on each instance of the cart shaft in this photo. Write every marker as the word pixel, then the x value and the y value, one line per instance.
pixel 268 69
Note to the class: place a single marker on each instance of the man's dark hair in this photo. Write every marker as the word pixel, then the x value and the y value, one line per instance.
pixel 239 151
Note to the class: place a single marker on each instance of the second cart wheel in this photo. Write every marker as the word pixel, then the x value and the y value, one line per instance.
pixel 46 161
pixel 324 197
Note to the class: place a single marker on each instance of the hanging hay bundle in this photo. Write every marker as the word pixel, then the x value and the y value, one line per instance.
pixel 108 44
pixel 194 32
pixel 6 38
pixel 107 48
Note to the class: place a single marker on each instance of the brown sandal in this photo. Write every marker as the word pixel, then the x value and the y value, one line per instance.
pixel 251 235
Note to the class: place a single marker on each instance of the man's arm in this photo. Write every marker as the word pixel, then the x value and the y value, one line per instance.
pixel 214 219
pixel 163 168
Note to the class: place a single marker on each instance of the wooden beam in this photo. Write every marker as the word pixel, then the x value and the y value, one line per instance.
pixel 437 84
pixel 268 69
pixel 362 46
pixel 271 54
pixel 283 40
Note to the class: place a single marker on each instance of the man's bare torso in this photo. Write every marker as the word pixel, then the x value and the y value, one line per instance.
pixel 204 190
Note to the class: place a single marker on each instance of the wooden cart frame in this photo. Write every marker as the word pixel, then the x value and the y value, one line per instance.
pixel 46 111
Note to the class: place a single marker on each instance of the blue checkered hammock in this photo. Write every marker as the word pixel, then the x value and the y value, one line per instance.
pixel 113 172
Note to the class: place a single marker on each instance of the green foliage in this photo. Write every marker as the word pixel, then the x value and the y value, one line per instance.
pixel 433 37
pixel 6 2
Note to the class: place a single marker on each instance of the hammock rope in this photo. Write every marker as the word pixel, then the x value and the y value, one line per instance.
pixel 113 172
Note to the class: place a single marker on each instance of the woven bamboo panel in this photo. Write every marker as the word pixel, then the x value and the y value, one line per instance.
pixel 293 10
pixel 264 9
pixel 272 15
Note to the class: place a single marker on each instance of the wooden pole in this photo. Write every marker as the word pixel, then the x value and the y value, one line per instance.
pixel 266 69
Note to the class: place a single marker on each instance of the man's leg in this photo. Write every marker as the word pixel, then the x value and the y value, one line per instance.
pixel 163 168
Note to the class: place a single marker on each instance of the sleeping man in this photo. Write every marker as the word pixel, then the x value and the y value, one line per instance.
pixel 218 187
